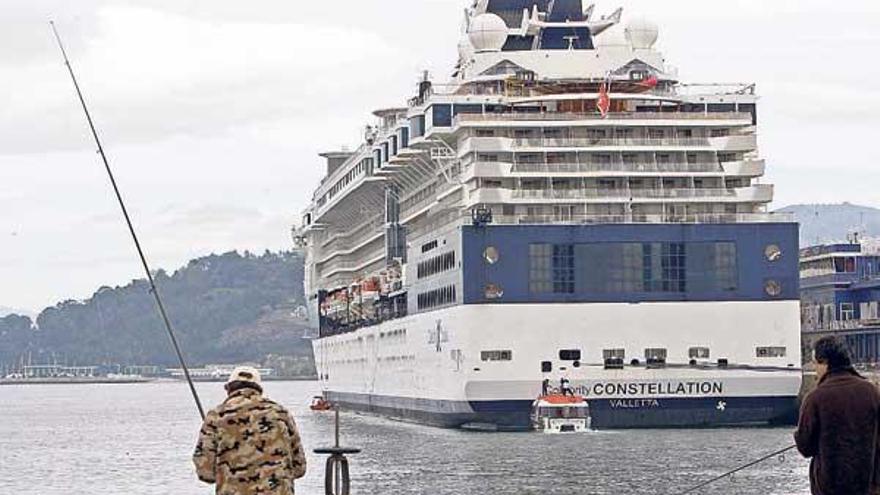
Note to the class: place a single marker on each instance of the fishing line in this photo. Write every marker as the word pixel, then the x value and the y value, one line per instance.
pixel 153 289
pixel 730 473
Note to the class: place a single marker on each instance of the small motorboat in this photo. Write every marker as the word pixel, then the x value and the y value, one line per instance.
pixel 320 404
pixel 557 413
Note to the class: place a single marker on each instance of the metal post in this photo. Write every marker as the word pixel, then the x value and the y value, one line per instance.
pixel 337 479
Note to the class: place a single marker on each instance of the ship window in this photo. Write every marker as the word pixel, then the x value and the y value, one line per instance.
pixel 773 253
pixel 614 358
pixel 429 246
pixel 845 265
pixel 404 137
pixel 847 311
pixel 496 355
pixel 546 367
pixel 457 109
pixel 417 126
pixel 721 107
pixel 442 115
pixel 484 133
pixel 435 265
pixel 614 268
pixel 443 296
pixel 570 354
pixel 491 255
pixel 698 353
pixel 655 357
pixel 772 288
pixel 551 268
pixel 770 352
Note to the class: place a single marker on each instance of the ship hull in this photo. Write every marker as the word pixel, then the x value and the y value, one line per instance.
pixel 430 368
pixel 514 415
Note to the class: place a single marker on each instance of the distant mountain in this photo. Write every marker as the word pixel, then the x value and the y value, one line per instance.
pixel 6 311
pixel 225 308
pixel 822 224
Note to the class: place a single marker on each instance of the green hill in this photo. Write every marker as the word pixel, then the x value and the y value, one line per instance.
pixel 225 308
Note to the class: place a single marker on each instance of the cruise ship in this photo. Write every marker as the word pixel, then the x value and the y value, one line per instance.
pixel 559 206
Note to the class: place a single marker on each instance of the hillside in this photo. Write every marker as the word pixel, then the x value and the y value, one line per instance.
pixel 225 308
pixel 829 223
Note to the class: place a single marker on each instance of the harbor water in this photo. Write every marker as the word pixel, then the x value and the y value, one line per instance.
pixel 138 439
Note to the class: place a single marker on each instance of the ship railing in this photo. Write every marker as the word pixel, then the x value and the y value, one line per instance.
pixel 563 116
pixel 465 218
pixel 620 193
pixel 837 325
pixel 583 219
pixel 697 167
pixel 589 142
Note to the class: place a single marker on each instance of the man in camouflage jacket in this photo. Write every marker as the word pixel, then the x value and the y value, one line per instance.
pixel 249 444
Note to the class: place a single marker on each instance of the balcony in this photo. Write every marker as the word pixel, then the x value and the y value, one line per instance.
pixel 617 168
pixel 620 193
pixel 753 194
pixel 582 219
pixel 464 119
pixel 741 143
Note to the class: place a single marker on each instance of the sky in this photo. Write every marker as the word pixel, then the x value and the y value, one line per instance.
pixel 213 112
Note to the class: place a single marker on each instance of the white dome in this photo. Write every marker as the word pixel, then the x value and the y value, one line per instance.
pixel 488 33
pixel 612 38
pixel 642 33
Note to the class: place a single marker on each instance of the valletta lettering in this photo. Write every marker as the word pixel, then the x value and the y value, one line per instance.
pixel 650 388
pixel 634 403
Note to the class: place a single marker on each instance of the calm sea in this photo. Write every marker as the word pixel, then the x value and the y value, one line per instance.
pixel 137 439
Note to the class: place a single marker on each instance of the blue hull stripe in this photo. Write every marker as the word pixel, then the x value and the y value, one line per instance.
pixel 605 413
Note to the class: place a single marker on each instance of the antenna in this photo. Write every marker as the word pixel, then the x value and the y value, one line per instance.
pixel 153 289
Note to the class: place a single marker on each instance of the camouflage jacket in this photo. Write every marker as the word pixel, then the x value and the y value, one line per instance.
pixel 249 445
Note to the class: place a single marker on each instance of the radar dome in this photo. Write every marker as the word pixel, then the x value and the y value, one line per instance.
pixel 642 33
pixel 612 38
pixel 487 33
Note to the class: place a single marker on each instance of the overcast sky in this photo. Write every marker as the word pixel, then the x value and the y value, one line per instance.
pixel 213 112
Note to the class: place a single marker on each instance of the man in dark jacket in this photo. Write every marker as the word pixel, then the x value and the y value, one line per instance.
pixel 839 426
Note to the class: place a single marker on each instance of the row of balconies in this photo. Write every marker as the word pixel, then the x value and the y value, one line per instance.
pixel 674 117
pixel 641 218
pixel 745 168
pixel 760 193
pixel 735 143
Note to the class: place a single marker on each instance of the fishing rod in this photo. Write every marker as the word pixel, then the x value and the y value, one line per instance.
pixel 153 289
pixel 731 473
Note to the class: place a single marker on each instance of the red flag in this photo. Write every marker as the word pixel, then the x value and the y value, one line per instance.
pixel 651 82
pixel 603 104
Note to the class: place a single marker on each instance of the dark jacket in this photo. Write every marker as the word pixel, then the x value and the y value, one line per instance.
pixel 840 429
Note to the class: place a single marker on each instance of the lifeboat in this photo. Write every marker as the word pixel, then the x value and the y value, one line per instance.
pixel 557 413
pixel 320 404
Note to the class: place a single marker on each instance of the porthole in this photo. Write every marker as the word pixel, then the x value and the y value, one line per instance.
pixel 491 255
pixel 773 288
pixel 494 292
pixel 773 253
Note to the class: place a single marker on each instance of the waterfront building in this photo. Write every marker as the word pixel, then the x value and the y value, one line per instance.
pixel 840 295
